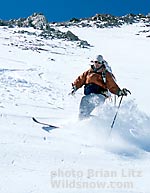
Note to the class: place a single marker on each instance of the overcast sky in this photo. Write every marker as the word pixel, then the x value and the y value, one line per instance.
pixel 63 10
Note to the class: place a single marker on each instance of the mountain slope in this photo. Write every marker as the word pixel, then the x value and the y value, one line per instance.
pixel 35 79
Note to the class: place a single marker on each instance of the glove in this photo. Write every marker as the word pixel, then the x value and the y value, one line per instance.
pixel 73 90
pixel 123 92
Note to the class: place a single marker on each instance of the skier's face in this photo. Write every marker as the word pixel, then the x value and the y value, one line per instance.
pixel 97 64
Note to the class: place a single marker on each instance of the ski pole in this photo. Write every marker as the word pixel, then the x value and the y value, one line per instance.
pixel 115 115
pixel 114 100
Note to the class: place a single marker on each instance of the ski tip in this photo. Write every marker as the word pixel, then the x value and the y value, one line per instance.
pixel 33 119
pixel 47 124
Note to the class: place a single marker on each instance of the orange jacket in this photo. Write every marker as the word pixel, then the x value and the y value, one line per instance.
pixel 90 76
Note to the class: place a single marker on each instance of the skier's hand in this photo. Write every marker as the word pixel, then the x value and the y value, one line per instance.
pixel 123 92
pixel 73 90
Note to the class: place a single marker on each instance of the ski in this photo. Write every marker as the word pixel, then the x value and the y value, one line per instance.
pixel 41 123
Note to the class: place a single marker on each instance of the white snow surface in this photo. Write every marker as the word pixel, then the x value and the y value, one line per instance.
pixel 80 156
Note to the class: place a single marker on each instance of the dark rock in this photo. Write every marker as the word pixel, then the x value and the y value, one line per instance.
pixel 71 36
pixel 74 20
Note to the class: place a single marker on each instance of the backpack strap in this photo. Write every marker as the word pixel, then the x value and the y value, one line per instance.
pixel 104 76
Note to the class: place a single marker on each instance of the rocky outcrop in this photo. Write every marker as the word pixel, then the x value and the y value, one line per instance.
pixel 39 22
pixel 105 20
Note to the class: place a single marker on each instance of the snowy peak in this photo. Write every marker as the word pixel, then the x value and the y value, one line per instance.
pixel 39 21
pixel 106 20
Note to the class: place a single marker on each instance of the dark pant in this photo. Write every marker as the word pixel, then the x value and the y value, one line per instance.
pixel 88 104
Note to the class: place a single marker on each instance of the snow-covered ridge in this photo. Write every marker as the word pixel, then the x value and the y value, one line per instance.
pixel 39 21
pixel 106 21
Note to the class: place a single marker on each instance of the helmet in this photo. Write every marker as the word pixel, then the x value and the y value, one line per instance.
pixel 99 58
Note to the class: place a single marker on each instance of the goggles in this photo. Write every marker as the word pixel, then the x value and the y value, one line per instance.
pixel 97 62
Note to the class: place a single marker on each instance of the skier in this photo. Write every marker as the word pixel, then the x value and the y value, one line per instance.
pixel 98 83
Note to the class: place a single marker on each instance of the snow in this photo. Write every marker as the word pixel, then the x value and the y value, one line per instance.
pixel 36 82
